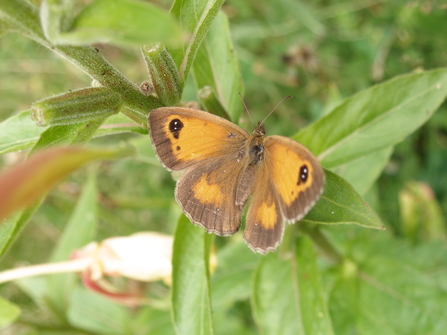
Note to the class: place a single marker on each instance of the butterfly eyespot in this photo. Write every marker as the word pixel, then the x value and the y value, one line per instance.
pixel 303 175
pixel 177 148
pixel 174 127
pixel 231 135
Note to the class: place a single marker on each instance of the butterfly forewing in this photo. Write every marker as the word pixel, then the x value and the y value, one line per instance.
pixel 185 136
pixel 296 173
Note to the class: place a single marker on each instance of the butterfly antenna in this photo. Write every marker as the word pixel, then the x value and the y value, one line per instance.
pixel 245 107
pixel 279 103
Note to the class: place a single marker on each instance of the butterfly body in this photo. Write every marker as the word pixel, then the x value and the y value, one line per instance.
pixel 224 165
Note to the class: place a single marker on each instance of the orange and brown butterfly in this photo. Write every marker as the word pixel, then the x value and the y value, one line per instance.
pixel 224 165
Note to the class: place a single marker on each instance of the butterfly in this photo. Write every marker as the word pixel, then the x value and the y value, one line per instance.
pixel 224 165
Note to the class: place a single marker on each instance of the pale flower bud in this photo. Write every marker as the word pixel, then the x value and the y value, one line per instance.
pixel 143 257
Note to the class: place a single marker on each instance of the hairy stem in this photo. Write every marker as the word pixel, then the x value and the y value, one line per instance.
pixel 24 18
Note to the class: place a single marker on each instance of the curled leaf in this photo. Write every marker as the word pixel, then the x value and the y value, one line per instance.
pixel 25 183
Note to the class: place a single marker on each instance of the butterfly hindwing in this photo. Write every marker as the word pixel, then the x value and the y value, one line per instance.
pixel 264 222
pixel 206 193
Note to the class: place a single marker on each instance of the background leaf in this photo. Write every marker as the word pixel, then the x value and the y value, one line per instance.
pixel 106 22
pixel 12 226
pixel 341 204
pixel 76 133
pixel 364 171
pixel 79 231
pixel 26 183
pixel 153 321
pixel 8 312
pixel 376 118
pixel 392 293
pixel 232 279
pixel 216 66
pixel 18 133
pixel 97 314
pixel 287 295
pixel 195 20
pixel 190 275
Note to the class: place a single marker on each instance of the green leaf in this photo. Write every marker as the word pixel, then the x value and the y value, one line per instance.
pixel 195 18
pixel 375 118
pixel 22 17
pixel 232 280
pixel 364 171
pixel 9 312
pixel 191 305
pixel 97 314
pixel 216 65
pixel 18 132
pixel 56 17
pixel 11 227
pixel 315 313
pixel 388 286
pixel 76 133
pixel 152 321
pixel 79 231
pixel 287 295
pixel 124 22
pixel 341 204
pixel 210 102
pixel 231 286
pixel 35 288
pixel 25 183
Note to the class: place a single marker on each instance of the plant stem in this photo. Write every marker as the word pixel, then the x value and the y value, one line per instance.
pixel 43 269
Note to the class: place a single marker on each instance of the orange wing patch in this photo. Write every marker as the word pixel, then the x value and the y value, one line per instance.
pixel 291 170
pixel 264 209
pixel 208 193
pixel 183 136
pixel 194 139
pixel 264 222
pixel 267 214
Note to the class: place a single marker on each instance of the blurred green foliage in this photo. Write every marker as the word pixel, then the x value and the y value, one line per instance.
pixel 319 52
